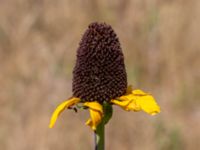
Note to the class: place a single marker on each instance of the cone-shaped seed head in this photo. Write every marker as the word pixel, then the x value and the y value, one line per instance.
pixel 99 73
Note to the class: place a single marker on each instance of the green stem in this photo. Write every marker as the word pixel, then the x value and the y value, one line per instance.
pixel 100 137
pixel 100 131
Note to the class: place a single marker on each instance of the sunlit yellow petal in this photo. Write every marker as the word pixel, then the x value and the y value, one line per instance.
pixel 94 105
pixel 95 119
pixel 123 104
pixel 138 100
pixel 96 114
pixel 126 97
pixel 148 104
pixel 60 108
pixel 133 106
pixel 127 104
pixel 139 93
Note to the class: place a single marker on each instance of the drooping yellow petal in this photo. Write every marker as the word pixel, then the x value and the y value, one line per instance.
pixel 96 114
pixel 94 120
pixel 60 108
pixel 94 105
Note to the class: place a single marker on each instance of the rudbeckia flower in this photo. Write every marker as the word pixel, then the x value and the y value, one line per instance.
pixel 99 77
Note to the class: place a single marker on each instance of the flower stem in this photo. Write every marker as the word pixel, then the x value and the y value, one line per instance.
pixel 99 137
pixel 100 131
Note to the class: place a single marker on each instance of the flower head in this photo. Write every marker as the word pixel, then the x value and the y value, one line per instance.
pixel 99 73
pixel 99 76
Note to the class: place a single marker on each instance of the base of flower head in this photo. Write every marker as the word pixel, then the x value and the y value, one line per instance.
pixel 96 112
pixel 137 100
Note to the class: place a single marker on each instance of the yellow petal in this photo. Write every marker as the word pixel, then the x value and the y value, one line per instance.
pixel 123 104
pixel 126 102
pixel 94 120
pixel 139 93
pixel 138 100
pixel 94 105
pixel 133 106
pixel 148 104
pixel 127 105
pixel 89 123
pixel 128 97
pixel 96 114
pixel 60 108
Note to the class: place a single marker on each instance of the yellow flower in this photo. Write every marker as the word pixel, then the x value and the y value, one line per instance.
pixel 100 79
pixel 134 100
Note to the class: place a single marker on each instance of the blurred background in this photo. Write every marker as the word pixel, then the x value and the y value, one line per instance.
pixel 38 42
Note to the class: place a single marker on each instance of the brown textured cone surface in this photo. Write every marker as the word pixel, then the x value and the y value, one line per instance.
pixel 99 73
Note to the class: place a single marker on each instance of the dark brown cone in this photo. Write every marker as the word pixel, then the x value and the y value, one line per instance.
pixel 99 73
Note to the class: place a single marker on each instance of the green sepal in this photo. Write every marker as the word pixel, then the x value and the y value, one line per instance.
pixel 108 111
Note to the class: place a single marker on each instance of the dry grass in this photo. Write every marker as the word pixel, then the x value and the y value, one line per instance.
pixel 38 42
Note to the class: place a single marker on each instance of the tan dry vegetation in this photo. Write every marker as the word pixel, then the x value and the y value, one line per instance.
pixel 38 42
